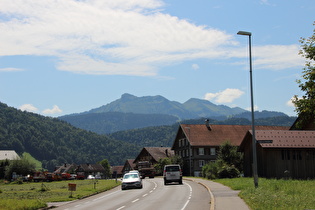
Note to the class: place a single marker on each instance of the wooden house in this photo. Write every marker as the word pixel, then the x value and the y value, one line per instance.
pixel 153 154
pixel 128 166
pixel 198 144
pixel 281 153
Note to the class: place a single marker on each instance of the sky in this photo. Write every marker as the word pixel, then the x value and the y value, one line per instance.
pixel 59 57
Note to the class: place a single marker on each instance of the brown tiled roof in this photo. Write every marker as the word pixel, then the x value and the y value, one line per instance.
pixel 131 163
pixel 119 169
pixel 92 167
pixel 159 152
pixel 285 139
pixel 200 135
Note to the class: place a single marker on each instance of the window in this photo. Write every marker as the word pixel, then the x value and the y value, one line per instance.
pixel 212 151
pixel 201 163
pixel 285 154
pixel 201 151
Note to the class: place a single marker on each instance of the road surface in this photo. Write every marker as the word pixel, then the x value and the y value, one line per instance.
pixel 153 196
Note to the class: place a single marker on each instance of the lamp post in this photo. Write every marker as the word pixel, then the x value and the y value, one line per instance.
pixel 189 148
pixel 255 174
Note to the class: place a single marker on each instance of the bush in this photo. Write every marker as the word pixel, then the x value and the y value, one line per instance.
pixel 210 170
pixel 227 171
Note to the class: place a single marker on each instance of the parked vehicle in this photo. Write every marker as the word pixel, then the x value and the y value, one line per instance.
pixel 131 180
pixel 172 173
pixel 91 177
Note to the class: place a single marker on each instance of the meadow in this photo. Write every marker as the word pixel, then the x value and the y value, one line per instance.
pixel 35 195
pixel 274 193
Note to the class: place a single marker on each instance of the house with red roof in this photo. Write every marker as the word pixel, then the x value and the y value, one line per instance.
pixel 198 144
pixel 282 153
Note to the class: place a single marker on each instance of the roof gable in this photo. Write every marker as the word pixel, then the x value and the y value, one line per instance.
pixel 155 152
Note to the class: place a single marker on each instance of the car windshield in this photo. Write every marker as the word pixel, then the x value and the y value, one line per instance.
pixel 172 168
pixel 130 176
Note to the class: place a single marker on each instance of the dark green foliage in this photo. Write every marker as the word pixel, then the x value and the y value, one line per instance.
pixel 304 106
pixel 109 122
pixel 54 142
pixel 149 137
pixel 106 166
pixel 21 167
pixel 228 164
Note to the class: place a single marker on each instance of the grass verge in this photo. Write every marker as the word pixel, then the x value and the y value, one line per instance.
pixel 274 193
pixel 35 195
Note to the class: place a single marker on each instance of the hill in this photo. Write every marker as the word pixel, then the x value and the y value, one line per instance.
pixel 193 108
pixel 131 112
pixel 54 142
pixel 109 122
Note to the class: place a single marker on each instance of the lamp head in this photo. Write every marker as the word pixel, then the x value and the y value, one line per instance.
pixel 244 33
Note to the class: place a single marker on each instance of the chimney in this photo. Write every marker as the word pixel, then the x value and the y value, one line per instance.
pixel 207 124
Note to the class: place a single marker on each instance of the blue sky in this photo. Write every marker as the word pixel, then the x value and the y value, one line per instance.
pixel 60 57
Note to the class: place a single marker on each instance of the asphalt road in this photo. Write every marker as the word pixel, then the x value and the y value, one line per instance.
pixel 153 196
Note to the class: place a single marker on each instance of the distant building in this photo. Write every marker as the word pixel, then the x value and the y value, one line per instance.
pixel 154 154
pixel 129 166
pixel 198 144
pixel 9 155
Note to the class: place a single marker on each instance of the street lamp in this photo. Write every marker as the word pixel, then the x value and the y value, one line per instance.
pixel 189 150
pixel 249 34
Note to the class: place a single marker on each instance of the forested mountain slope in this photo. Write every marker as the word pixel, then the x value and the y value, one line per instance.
pixel 55 142
pixel 109 122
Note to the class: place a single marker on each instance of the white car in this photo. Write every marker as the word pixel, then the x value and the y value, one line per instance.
pixel 172 173
pixel 91 177
pixel 131 180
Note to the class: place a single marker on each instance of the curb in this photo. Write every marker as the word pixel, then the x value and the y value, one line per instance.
pixel 211 195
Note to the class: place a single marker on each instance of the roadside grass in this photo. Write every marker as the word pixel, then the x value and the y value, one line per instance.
pixel 29 196
pixel 274 193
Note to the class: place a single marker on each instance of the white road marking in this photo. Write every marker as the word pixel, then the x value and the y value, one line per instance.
pixel 189 197
pixel 135 200
pixel 121 207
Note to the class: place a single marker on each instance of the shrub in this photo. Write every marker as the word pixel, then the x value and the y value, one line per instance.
pixel 228 171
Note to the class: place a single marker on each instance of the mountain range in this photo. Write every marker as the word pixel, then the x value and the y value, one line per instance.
pixel 193 108
pixel 130 112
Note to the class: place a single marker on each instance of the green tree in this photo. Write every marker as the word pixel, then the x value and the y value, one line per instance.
pixel 305 106
pixel 228 163
pixel 106 165
pixel 20 167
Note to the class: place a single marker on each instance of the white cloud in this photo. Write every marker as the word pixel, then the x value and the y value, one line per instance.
pixel 54 110
pixel 118 37
pixel 290 103
pixel 195 66
pixel 29 108
pixel 10 69
pixel 226 96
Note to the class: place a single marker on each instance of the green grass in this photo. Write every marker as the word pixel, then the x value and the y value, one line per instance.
pixel 36 195
pixel 31 159
pixel 273 193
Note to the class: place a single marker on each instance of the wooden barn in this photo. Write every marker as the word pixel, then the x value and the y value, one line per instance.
pixel 281 153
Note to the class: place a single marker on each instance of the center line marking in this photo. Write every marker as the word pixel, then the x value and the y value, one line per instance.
pixel 135 200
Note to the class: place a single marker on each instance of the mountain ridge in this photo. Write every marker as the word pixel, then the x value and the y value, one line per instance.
pixel 192 108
